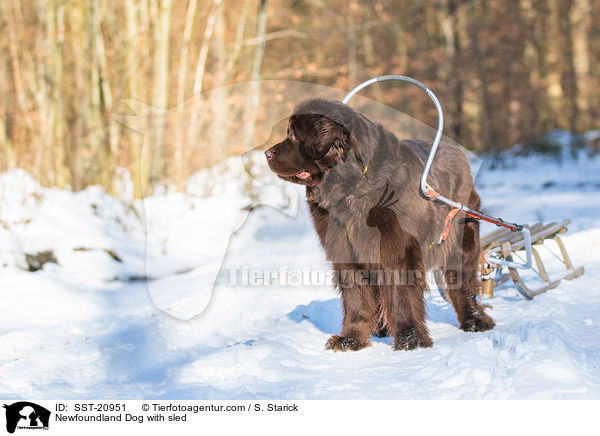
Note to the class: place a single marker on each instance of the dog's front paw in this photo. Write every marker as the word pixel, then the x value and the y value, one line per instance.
pixel 340 343
pixel 411 338
pixel 478 322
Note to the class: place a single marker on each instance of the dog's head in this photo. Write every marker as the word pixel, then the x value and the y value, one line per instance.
pixel 314 144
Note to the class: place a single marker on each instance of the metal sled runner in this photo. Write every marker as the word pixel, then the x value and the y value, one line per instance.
pixel 500 248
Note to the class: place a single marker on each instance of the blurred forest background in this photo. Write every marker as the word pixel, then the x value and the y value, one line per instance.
pixel 506 71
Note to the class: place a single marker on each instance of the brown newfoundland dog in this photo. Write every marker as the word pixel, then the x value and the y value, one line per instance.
pixel 378 231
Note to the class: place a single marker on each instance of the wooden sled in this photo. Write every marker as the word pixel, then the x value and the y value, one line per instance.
pixel 512 242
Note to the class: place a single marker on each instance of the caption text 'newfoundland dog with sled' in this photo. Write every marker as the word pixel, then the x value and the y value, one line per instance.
pixel 381 235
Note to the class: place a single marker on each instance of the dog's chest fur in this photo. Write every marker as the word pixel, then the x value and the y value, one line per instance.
pixel 344 229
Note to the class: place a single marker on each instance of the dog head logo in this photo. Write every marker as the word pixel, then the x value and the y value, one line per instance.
pixel 26 415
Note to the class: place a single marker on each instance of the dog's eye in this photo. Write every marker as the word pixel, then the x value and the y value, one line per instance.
pixel 293 136
pixel 315 150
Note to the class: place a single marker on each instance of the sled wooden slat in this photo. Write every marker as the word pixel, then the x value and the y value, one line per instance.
pixel 487 239
pixel 546 232
pixel 498 238
pixel 539 231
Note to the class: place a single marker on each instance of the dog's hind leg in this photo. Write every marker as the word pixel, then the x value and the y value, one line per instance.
pixel 463 282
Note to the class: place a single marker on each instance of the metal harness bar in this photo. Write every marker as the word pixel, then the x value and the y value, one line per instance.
pixel 492 256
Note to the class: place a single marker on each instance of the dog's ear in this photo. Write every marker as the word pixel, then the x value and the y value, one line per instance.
pixel 331 143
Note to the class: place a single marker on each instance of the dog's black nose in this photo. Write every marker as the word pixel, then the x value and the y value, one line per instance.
pixel 269 153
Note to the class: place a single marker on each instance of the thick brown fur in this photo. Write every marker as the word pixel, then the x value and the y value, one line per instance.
pixel 378 231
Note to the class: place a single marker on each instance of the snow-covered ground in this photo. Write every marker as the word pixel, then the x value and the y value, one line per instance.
pixel 127 310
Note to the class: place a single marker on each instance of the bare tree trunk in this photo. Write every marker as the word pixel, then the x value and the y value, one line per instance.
pixel 580 25
pixel 539 74
pixel 39 86
pixel 160 87
pixel 451 71
pixel 218 103
pixel 75 144
pixel 58 108
pixel 239 38
pixel 23 124
pixel 401 45
pixel 93 114
pixel 531 64
pixel 199 75
pixel 8 7
pixel 568 80
pixel 8 156
pixel 180 173
pixel 138 168
pixel 558 88
pixel 351 42
pixel 488 136
pixel 253 99
pixel 111 139
pixel 594 60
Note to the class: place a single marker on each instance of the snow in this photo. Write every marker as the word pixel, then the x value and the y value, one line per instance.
pixel 153 326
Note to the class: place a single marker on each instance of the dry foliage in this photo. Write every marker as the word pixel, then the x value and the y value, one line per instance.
pixel 505 70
